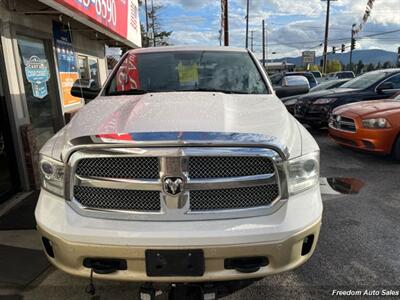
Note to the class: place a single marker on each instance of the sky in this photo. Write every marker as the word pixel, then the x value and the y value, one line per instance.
pixel 292 25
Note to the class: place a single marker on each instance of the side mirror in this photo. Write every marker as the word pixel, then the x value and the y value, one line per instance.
pixel 293 85
pixel 85 93
pixel 85 88
pixel 387 85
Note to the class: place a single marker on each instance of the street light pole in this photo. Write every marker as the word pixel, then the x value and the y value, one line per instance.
pixel 247 24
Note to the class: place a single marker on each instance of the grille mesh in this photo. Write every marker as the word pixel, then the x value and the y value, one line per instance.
pixel 201 167
pixel 117 199
pixel 234 198
pixel 119 167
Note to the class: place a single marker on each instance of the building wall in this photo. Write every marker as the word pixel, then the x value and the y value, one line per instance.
pixel 40 26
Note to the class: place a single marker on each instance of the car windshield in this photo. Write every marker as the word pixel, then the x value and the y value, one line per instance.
pixel 317 74
pixel 343 75
pixel 326 86
pixel 366 80
pixel 221 71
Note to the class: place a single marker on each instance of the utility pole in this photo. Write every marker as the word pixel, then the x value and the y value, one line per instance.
pixel 225 21
pixel 247 24
pixel 252 38
pixel 352 46
pixel 152 23
pixel 147 23
pixel 328 7
pixel 263 42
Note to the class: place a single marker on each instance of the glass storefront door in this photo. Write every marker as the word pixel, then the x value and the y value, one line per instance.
pixel 9 181
pixel 40 90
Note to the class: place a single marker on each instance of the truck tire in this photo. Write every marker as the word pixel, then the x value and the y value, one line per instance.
pixel 396 149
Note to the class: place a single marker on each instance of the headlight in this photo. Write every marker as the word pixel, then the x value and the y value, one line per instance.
pixel 325 100
pixel 303 173
pixel 375 123
pixel 290 102
pixel 53 175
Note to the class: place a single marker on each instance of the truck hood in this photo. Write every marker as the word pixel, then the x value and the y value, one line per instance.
pixel 206 112
pixel 369 107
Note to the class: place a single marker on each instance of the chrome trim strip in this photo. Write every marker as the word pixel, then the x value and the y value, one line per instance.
pixel 230 182
pixel 181 139
pixel 116 183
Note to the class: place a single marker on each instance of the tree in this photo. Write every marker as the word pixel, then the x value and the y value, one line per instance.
pixel 387 65
pixel 370 67
pixel 156 35
pixel 334 66
pixel 360 67
pixel 379 66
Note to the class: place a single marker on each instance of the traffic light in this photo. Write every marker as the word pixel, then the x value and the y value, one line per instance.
pixel 333 49
pixel 343 48
pixel 353 44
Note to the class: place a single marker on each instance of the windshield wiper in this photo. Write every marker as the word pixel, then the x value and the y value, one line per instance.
pixel 130 92
pixel 216 91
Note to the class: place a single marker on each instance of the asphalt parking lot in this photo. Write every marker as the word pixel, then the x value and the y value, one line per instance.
pixel 359 246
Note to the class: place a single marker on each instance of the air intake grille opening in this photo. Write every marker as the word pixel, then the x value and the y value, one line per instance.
pixel 201 167
pixel 119 167
pixel 102 198
pixel 235 198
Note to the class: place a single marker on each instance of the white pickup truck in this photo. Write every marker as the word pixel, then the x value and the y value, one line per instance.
pixel 184 168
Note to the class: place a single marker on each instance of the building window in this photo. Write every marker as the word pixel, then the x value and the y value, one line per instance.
pixel 88 71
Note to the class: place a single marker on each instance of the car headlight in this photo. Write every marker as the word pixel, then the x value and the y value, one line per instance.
pixel 303 172
pixel 290 102
pixel 53 175
pixel 325 100
pixel 375 123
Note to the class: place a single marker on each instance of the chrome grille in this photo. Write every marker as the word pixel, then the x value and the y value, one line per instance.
pixel 101 198
pixel 119 167
pixel 228 180
pixel 228 166
pixel 343 123
pixel 237 198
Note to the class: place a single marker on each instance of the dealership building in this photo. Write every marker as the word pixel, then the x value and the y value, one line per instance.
pixel 47 46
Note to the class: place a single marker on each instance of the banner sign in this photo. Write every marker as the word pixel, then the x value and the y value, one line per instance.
pixel 120 17
pixel 128 74
pixel 67 65
pixel 37 73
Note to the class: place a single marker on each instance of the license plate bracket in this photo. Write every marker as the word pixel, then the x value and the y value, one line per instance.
pixel 166 263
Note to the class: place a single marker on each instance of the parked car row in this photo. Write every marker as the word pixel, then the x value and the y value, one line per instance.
pixel 362 113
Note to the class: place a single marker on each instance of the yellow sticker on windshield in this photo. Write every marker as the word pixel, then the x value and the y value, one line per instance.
pixel 188 73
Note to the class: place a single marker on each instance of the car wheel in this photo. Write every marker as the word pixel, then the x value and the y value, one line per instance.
pixel 396 149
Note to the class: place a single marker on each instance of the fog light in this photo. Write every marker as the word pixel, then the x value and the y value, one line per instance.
pixel 48 246
pixel 307 244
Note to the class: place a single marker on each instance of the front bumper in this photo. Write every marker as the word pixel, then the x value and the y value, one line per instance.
pixel 279 237
pixel 312 113
pixel 371 140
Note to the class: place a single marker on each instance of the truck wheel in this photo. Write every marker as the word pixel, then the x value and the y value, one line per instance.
pixel 396 149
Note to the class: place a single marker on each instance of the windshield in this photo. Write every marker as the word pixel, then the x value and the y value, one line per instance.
pixel 317 74
pixel 325 86
pixel 230 72
pixel 365 81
